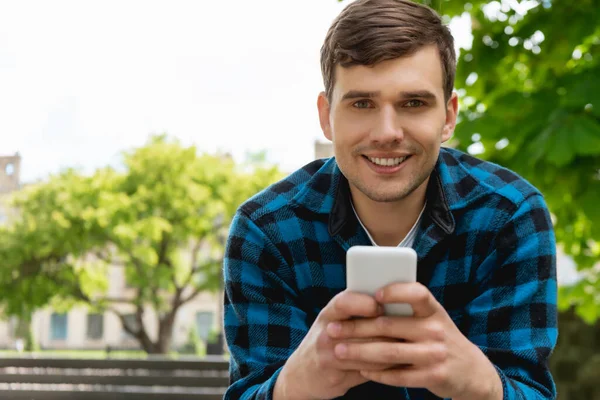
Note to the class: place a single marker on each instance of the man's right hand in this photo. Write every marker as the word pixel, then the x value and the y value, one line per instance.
pixel 313 371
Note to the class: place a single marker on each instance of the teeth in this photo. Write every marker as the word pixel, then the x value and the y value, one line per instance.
pixel 387 162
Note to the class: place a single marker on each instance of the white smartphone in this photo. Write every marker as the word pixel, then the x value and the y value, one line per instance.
pixel 369 268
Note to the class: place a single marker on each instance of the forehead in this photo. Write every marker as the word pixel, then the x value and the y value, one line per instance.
pixel 419 71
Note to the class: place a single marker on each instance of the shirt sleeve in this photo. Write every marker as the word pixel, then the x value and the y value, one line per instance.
pixel 263 325
pixel 513 317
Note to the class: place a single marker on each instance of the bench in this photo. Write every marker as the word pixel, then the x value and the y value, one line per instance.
pixel 116 379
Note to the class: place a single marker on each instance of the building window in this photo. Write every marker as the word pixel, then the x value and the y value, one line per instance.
pixel 58 326
pixel 131 322
pixel 9 169
pixel 204 323
pixel 95 326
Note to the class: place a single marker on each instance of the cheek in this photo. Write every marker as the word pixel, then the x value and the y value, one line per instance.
pixel 347 130
pixel 425 131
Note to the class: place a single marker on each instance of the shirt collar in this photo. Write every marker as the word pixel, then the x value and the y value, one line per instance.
pixel 408 239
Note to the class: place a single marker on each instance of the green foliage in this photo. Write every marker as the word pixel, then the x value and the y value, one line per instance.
pixel 24 331
pixel 194 344
pixel 536 107
pixel 213 336
pixel 163 220
pixel 31 345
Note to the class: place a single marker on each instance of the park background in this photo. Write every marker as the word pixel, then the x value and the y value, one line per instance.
pixel 131 131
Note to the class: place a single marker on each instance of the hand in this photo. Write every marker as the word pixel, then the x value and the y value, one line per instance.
pixel 429 352
pixel 313 371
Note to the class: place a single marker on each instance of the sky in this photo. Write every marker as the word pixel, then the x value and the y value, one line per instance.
pixel 82 81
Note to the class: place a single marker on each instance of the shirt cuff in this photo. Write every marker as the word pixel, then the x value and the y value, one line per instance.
pixel 505 385
pixel 269 386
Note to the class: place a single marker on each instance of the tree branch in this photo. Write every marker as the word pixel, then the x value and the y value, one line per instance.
pixel 162 249
pixel 194 267
pixel 163 257
pixel 106 259
pixel 192 295
pixel 136 263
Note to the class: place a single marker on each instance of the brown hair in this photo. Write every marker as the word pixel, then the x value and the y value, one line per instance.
pixel 370 31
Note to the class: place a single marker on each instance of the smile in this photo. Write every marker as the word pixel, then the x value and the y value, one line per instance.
pixel 387 162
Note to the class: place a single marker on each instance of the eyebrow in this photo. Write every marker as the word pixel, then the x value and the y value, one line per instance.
pixel 420 94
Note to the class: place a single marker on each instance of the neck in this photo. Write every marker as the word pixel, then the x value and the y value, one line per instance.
pixel 389 222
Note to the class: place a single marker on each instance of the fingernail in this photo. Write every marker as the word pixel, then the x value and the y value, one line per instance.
pixel 379 295
pixel 334 328
pixel 341 350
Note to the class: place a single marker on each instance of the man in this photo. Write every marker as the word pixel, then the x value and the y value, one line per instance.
pixel 484 320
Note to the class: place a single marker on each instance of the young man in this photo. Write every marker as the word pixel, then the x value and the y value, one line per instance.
pixel 484 320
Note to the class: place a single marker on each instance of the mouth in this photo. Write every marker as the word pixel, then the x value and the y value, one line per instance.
pixel 386 165
pixel 387 162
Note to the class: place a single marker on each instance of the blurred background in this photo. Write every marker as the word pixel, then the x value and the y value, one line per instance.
pixel 131 132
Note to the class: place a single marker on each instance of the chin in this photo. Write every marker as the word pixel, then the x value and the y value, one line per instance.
pixel 385 196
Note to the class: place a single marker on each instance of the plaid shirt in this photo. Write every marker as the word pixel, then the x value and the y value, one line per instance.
pixel 486 251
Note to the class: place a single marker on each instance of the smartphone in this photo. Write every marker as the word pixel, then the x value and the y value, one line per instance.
pixel 369 268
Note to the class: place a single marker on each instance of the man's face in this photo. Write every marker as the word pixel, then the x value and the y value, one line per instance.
pixel 387 123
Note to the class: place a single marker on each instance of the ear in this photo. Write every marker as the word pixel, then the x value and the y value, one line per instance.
pixel 451 114
pixel 324 112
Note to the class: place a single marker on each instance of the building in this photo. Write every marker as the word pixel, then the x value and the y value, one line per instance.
pixel 323 149
pixel 10 170
pixel 80 329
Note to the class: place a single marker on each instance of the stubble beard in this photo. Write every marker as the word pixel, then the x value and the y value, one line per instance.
pixel 399 191
pixel 401 188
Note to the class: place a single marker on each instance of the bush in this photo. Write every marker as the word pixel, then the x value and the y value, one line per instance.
pixel 194 344
pixel 31 344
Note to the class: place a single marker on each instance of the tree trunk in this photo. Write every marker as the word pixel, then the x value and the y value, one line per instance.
pixel 23 325
pixel 165 335
pixel 162 345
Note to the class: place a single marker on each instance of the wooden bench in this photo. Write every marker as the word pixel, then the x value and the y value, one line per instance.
pixel 115 379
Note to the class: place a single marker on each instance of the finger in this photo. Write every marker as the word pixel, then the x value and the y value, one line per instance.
pixel 418 296
pixel 370 339
pixel 392 353
pixel 327 352
pixel 410 377
pixel 405 328
pixel 347 304
pixel 363 366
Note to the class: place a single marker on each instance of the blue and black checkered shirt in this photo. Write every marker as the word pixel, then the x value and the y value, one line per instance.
pixel 486 251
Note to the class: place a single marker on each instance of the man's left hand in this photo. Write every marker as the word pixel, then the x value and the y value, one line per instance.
pixel 429 351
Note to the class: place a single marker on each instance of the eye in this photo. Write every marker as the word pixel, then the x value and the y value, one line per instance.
pixel 362 104
pixel 414 104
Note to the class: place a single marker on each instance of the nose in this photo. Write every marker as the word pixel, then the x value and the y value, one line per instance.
pixel 387 128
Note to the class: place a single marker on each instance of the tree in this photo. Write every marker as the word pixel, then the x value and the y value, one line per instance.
pixel 162 220
pixel 529 89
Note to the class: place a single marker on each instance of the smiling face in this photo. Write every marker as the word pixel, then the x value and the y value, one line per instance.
pixel 387 123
